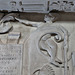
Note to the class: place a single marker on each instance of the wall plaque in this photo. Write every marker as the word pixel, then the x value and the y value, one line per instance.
pixel 10 59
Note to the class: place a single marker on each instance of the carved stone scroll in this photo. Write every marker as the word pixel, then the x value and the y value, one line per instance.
pixel 5 27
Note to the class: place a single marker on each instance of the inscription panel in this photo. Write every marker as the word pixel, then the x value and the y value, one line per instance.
pixel 10 59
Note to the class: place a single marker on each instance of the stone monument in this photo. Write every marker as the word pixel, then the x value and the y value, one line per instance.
pixel 31 46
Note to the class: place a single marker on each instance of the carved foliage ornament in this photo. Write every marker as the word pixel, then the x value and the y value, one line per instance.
pixel 45 43
pixel 45 70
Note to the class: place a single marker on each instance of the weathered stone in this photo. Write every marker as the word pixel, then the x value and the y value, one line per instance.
pixel 38 48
